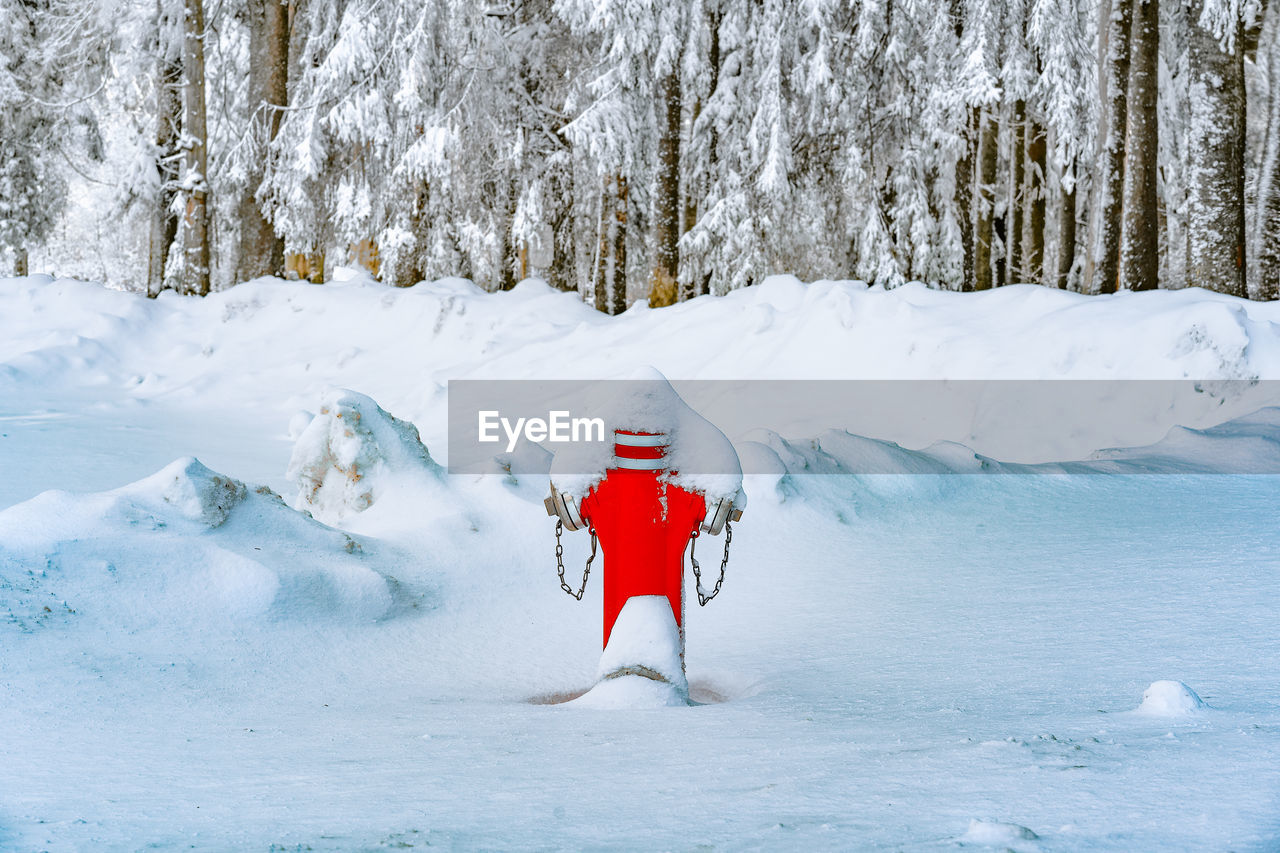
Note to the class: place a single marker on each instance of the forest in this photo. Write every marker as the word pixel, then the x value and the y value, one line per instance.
pixel 633 149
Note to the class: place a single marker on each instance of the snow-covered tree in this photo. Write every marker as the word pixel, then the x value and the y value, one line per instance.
pixel 679 148
pixel 50 54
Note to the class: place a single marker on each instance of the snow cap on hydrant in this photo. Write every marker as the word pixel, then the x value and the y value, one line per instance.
pixel 667 475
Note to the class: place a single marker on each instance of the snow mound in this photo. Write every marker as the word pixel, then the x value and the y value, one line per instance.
pixel 351 453
pixel 185 545
pixel 195 492
pixel 699 456
pixel 643 665
pixel 645 638
pixel 1170 699
pixel 630 692
pixel 299 422
pixel 996 834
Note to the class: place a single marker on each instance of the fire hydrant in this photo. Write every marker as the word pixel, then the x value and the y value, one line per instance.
pixel 644 521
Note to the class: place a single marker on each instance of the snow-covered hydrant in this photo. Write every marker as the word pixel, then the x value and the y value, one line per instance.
pixel 644 515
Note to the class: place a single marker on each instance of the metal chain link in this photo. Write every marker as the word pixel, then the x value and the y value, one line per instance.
pixel 703 598
pixel 560 562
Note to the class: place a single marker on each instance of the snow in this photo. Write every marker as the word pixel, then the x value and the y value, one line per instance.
pixel 699 457
pixel 995 834
pixel 185 546
pixel 901 660
pixel 343 459
pixel 645 637
pixel 1170 699
pixel 632 693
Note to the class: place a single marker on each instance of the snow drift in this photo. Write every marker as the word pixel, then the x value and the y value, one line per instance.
pixel 643 665
pixel 352 453
pixel 185 545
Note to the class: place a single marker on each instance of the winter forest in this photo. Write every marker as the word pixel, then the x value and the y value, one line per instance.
pixel 633 150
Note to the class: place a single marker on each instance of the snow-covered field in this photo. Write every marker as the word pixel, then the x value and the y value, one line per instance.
pixel 913 662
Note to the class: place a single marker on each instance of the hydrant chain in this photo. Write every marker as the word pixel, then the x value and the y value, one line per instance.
pixel 703 598
pixel 560 562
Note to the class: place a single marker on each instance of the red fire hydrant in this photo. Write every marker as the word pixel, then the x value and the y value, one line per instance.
pixel 644 522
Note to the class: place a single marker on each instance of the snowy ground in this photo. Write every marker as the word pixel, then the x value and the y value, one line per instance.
pixel 913 662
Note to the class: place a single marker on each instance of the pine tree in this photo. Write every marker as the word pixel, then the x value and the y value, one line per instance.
pixel 42 55
pixel 1062 34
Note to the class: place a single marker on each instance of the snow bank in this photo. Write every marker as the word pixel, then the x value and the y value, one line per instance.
pixel 1170 699
pixel 699 456
pixel 185 545
pixel 68 334
pixel 1245 445
pixel 353 452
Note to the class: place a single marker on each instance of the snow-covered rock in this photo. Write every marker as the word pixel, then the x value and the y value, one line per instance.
pixel 1170 699
pixel 350 453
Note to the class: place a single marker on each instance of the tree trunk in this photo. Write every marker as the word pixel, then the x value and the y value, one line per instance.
pixel 1102 265
pixel 304 266
pixel 261 251
pixel 164 220
pixel 1253 35
pixel 1067 237
pixel 1140 232
pixel 1215 159
pixel 986 200
pixel 702 284
pixel 1037 151
pixel 194 278
pixel 1267 213
pixel 365 255
pixel 611 256
pixel 21 262
pixel 693 193
pixel 964 202
pixel 666 203
pixel 1017 165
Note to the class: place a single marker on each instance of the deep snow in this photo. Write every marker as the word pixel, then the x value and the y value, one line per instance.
pixel 907 662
